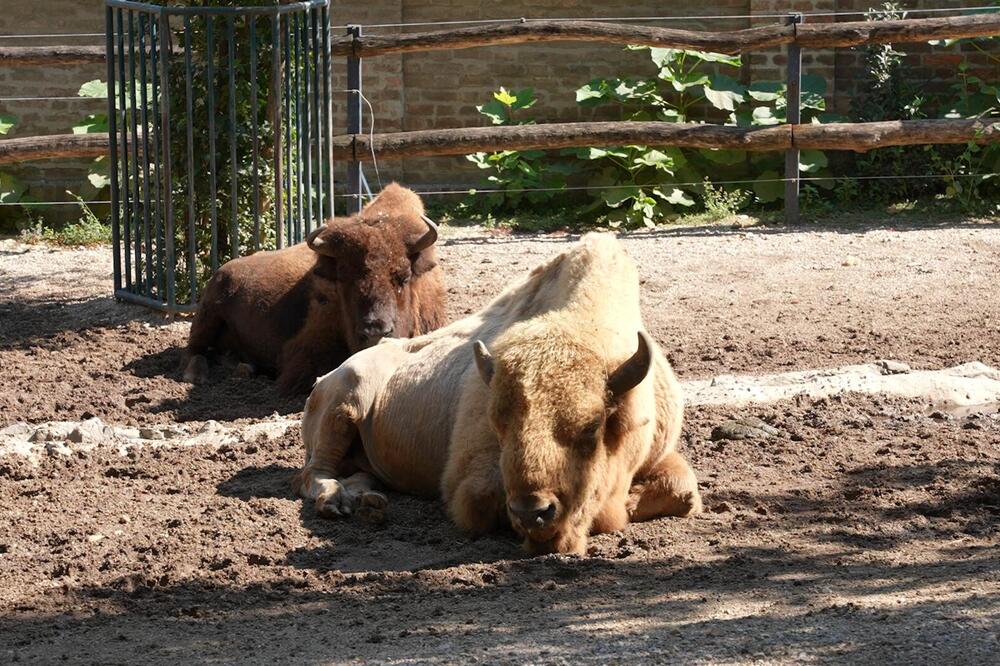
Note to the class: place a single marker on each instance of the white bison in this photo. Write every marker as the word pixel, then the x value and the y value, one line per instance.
pixel 541 411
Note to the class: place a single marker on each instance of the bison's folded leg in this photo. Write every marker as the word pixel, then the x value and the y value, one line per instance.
pixel 336 498
pixel 670 489
pixel 245 370
pixel 195 369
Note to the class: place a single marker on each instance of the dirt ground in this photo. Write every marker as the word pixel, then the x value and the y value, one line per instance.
pixel 865 532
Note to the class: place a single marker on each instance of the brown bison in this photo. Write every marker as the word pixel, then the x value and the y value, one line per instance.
pixel 299 312
pixel 541 411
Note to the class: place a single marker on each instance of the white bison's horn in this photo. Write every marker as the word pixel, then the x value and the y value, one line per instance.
pixel 484 361
pixel 428 238
pixel 630 373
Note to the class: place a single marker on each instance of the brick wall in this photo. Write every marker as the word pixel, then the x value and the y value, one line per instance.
pixel 49 179
pixel 441 89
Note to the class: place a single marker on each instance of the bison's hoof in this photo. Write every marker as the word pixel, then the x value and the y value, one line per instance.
pixel 196 371
pixel 244 370
pixel 338 504
pixel 693 501
pixel 372 506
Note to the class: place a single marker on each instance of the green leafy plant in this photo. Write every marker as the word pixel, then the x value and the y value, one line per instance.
pixel 630 180
pixel 687 81
pixel 970 170
pixel 721 204
pixel 12 190
pixel 527 178
pixel 88 230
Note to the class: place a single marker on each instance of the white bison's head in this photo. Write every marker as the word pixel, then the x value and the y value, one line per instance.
pixel 554 405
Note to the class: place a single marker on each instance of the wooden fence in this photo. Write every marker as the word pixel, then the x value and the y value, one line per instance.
pixel 356 146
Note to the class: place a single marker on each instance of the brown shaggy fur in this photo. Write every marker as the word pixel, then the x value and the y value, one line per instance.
pixel 299 312
pixel 559 425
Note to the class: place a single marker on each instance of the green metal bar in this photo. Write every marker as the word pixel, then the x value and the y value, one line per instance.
pixel 165 166
pixel 254 111
pixel 213 201
pixel 276 128
pixel 137 221
pixel 289 193
pixel 306 124
pixel 298 128
pixel 191 231
pixel 147 237
pixel 158 220
pixel 234 167
pixel 109 47
pixel 318 115
pixel 127 200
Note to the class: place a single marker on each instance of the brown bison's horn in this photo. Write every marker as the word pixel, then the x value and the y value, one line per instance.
pixel 427 239
pixel 484 361
pixel 630 373
pixel 313 240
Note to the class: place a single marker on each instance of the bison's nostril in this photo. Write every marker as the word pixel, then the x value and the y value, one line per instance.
pixel 376 329
pixel 535 516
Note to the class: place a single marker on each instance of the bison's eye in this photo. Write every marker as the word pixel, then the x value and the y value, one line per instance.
pixel 589 434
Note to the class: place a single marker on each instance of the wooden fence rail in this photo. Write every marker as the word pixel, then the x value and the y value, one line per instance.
pixel 834 136
pixel 822 35
pixel 461 141
pixel 53 146
pixel 25 56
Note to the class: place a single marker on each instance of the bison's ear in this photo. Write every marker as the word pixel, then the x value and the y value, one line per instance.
pixel 484 361
pixel 631 373
pixel 421 263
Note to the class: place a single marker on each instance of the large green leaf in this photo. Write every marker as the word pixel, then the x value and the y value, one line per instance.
pixel 593 92
pixel 657 159
pixel 95 88
pixel 768 187
pixel 676 197
pixel 708 56
pixel 616 197
pixel 724 92
pixel 766 91
pixel 495 110
pixel 11 188
pixel 724 156
pixel 524 99
pixel 763 115
pixel 98 174
pixel 93 123
pixel 7 122
pixel 682 82
pixel 811 161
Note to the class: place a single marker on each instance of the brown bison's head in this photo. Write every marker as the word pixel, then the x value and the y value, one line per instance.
pixel 554 406
pixel 371 259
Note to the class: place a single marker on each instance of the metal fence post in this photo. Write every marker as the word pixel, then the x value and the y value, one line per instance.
pixel 793 111
pixel 354 122
pixel 109 30
pixel 168 199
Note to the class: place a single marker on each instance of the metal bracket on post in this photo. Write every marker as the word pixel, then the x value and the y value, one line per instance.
pixel 793 111
pixel 354 175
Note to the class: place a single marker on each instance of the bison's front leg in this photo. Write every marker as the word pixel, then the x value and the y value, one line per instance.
pixel 670 489
pixel 338 483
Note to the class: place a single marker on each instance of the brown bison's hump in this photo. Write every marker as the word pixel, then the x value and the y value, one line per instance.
pixel 266 275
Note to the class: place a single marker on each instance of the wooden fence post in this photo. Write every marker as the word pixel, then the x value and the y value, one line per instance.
pixel 354 175
pixel 793 112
